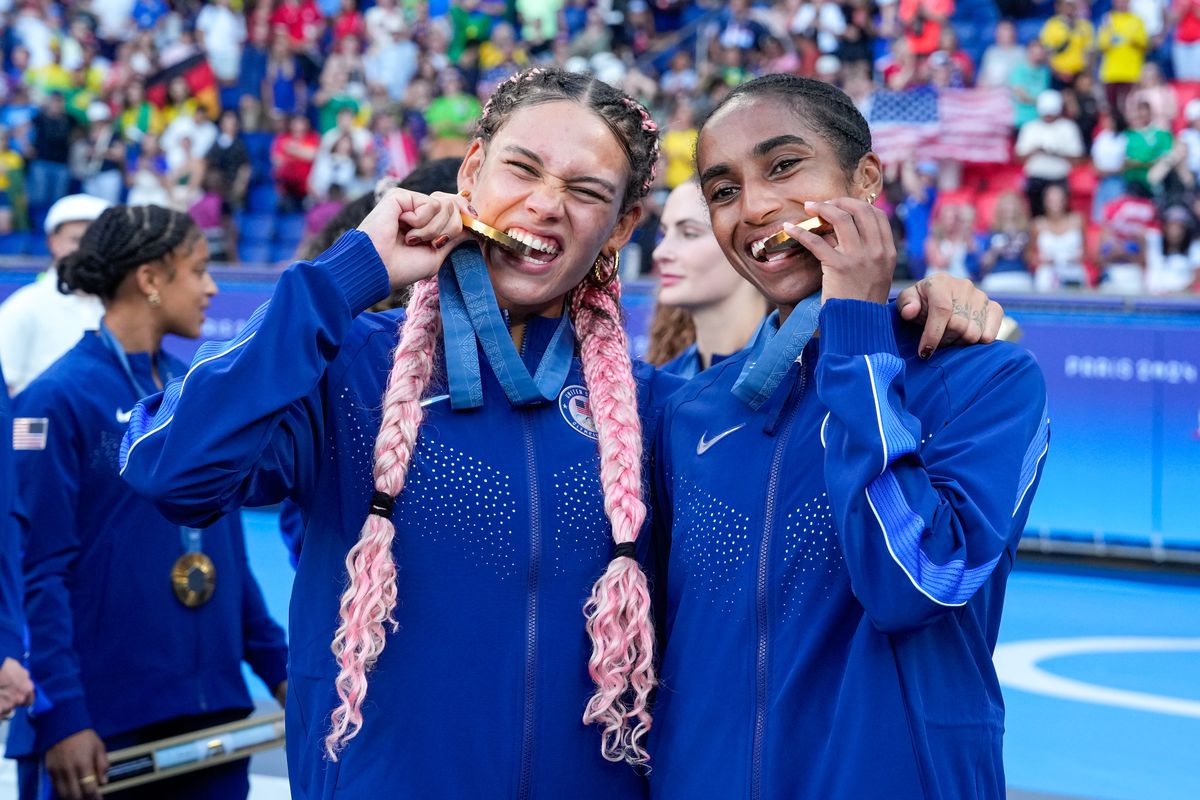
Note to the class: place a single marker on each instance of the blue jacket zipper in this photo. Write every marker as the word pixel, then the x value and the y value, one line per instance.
pixel 762 624
pixel 531 605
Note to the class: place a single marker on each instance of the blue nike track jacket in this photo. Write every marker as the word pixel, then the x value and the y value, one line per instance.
pixel 501 533
pixel 12 618
pixel 111 647
pixel 829 630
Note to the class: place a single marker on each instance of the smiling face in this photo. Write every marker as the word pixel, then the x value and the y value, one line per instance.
pixel 555 176
pixel 759 162
pixel 693 272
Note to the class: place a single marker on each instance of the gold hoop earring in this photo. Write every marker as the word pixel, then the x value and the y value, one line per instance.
pixel 602 276
pixel 154 299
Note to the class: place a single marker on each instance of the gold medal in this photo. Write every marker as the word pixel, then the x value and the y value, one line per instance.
pixel 194 579
pixel 496 235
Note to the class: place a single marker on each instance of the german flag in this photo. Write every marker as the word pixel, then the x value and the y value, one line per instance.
pixel 200 80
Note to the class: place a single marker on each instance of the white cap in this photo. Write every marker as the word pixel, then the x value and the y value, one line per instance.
pixel 1191 112
pixel 1049 103
pixel 827 64
pixel 74 208
pixel 98 112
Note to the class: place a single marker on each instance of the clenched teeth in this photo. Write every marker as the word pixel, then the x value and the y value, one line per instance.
pixel 537 243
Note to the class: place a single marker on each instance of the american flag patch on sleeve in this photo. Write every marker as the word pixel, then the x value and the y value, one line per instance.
pixel 29 433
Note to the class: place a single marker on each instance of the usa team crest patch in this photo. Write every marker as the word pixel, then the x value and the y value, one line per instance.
pixel 577 411
pixel 29 433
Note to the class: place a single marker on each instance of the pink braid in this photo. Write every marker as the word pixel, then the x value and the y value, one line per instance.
pixel 618 612
pixel 648 126
pixel 370 600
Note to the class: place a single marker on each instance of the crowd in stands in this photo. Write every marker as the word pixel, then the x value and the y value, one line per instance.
pixel 262 118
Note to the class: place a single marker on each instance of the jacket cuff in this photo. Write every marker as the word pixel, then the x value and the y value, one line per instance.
pixel 271 667
pixel 856 327
pixel 67 717
pixel 357 270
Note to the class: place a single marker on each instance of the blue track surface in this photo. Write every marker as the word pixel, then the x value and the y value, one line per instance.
pixel 1057 746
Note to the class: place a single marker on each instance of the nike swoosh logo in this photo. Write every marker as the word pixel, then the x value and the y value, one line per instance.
pixel 428 401
pixel 703 445
pixel 123 417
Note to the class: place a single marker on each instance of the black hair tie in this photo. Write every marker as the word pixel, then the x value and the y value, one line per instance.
pixel 382 504
pixel 625 550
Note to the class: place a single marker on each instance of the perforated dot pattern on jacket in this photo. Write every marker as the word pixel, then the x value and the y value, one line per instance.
pixel 715 544
pixel 455 498
pixel 579 535
pixel 812 556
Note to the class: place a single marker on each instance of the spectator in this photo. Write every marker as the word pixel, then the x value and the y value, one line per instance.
pixel 857 45
pixel 451 118
pixel 1058 241
pixel 252 72
pixel 147 175
pixel 922 22
pixel 960 60
pixel 391 64
pixel 1108 159
pixel 1004 263
pixel 49 173
pixel 822 21
pixel 1123 42
pixel 221 33
pixel 139 116
pixel 1001 56
pixel 1173 254
pixel 282 90
pixel 228 163
pixel 1048 147
pixel 292 155
pixel 499 57
pixel 1081 104
pixel 348 22
pixel 37 322
pixel 1068 37
pixel 679 145
pixel 471 24
pixel 381 20
pixel 346 126
pixel 680 78
pixel 396 148
pixel 300 21
pixel 180 100
pixel 1185 53
pixel 918 180
pixel 197 129
pixel 336 95
pixel 1145 147
pixel 777 58
pixel 98 158
pixel 950 247
pixel 1127 221
pixel 335 166
pixel 539 19
pixel 1028 80
pixel 1157 94
pixel 900 68
pixel 1189 139
pixel 185 181
pixel 13 205
pixel 736 27
pixel 596 37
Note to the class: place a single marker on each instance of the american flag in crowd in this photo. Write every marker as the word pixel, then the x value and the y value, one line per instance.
pixel 959 124
pixel 29 433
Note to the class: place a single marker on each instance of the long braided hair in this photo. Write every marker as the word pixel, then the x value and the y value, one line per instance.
pixel 618 611
pixel 120 240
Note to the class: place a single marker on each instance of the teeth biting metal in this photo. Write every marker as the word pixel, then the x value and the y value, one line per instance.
pixel 498 236
pixel 780 242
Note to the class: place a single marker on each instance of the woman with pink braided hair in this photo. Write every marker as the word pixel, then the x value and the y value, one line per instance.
pixel 499 488
pixel 453 566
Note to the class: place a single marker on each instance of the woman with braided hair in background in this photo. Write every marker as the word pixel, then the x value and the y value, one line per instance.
pixel 122 653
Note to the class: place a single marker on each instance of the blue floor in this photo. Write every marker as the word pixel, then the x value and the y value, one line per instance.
pixel 1063 747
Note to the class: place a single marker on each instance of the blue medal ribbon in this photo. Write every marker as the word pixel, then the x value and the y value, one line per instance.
pixel 471 319
pixel 114 347
pixel 774 349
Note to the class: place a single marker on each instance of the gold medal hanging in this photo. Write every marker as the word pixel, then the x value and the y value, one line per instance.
pixel 194 576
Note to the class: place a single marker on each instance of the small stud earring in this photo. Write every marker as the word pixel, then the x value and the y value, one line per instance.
pixel 871 197
pixel 154 299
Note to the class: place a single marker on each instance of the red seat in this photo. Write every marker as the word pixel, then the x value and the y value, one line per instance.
pixel 1185 91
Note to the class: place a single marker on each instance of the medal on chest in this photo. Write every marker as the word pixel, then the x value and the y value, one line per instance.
pixel 194 576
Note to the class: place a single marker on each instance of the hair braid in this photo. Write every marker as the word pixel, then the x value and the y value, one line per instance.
pixel 120 240
pixel 369 601
pixel 618 611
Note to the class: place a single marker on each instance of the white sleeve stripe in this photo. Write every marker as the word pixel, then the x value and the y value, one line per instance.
pixel 878 415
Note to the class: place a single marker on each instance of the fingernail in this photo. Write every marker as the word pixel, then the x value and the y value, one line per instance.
pixel 471 208
pixel 411 241
pixel 926 351
pixel 810 203
pixel 440 242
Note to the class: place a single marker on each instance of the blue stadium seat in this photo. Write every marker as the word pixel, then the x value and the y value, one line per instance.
pixel 254 252
pixel 14 243
pixel 262 199
pixel 283 252
pixel 255 227
pixel 289 228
